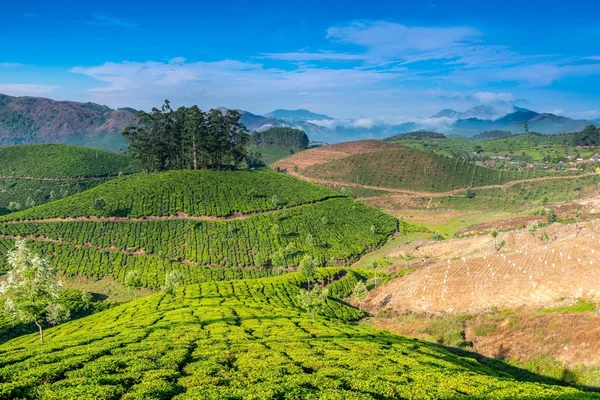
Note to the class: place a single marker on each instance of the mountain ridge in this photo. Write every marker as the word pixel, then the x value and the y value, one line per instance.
pixel 26 120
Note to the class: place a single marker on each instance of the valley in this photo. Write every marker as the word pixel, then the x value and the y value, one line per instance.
pixel 360 270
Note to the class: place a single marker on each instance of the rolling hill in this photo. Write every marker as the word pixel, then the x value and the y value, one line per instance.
pixel 206 224
pixel 39 120
pixel 387 165
pixel 35 174
pixel 248 339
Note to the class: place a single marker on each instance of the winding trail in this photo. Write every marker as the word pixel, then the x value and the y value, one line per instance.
pixel 406 192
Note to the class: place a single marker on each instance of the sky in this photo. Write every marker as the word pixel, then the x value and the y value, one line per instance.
pixel 375 59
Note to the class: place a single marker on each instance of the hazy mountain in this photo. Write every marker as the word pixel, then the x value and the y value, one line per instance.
pixel 300 115
pixel 515 123
pixel 40 120
pixel 448 113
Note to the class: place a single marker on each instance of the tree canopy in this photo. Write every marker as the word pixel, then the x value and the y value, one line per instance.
pixel 31 290
pixel 285 137
pixel 187 138
pixel 590 136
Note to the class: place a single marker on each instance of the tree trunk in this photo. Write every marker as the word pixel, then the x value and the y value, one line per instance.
pixel 41 330
pixel 308 284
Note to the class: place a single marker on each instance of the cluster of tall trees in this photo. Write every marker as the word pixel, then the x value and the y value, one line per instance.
pixel 590 136
pixel 187 138
pixel 281 136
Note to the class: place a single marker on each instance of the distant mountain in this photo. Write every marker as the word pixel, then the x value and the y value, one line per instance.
pixel 515 123
pixel 480 112
pixel 40 120
pixel 300 115
pixel 447 113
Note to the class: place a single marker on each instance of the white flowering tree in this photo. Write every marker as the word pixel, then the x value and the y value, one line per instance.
pixel 313 301
pixel 173 280
pixel 31 290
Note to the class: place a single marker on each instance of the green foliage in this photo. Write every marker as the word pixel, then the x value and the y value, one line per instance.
pixel 31 290
pixel 288 138
pixel 247 339
pixel 417 135
pixel 308 269
pixel 313 301
pixel 111 248
pixel 62 161
pixel 187 138
pixel 590 136
pixel 581 306
pixel 173 280
pixel 405 168
pixel 36 174
pixel 484 329
pixel 194 193
pixel 551 216
pixel 360 292
pixel 449 331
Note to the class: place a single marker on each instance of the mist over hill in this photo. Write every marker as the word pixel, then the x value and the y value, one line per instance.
pixel 40 120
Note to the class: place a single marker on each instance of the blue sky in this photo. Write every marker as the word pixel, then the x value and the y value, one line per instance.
pixel 377 59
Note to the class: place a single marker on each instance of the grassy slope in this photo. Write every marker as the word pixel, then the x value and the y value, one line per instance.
pixel 62 161
pixel 246 339
pixel 73 169
pixel 272 153
pixel 192 192
pixel 411 169
pixel 533 145
pixel 331 228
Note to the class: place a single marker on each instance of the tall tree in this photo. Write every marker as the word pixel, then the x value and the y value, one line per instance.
pixel 187 138
pixel 31 289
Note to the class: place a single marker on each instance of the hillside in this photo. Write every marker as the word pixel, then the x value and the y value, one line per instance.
pixel 185 219
pixel 397 167
pixel 274 144
pixel 39 120
pixel 248 339
pixel 35 174
pixel 534 267
pixel 62 161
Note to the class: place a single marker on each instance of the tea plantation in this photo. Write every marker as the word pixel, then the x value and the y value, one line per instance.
pixel 411 169
pixel 194 193
pixel 246 339
pixel 163 228
pixel 35 174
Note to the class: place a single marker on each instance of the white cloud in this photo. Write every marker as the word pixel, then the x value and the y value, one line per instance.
pixel 26 89
pixel 222 81
pixel 490 97
pixel 319 56
pixel 11 65
pixel 363 123
pixel 105 20
pixel 397 39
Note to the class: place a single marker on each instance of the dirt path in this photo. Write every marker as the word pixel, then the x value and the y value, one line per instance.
pixel 405 192
pixel 178 216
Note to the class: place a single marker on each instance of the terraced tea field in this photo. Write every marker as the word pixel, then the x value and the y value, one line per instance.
pixel 205 224
pixel 241 340
pixel 35 174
